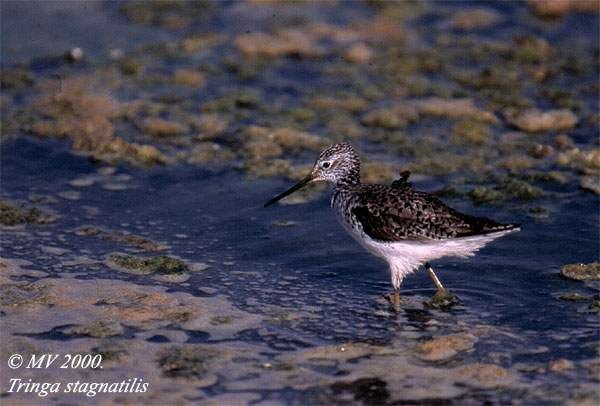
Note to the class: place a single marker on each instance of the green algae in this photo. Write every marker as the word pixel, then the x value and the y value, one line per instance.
pixel 445 347
pixel 562 98
pixel 158 127
pixel 442 299
pixel 11 215
pixel 471 132
pixel 131 240
pixel 98 329
pixel 519 189
pixel 582 161
pixel 516 163
pixel 159 264
pixel 189 77
pixel 360 118
pixel 573 297
pixel 474 19
pixel 482 194
pixel 166 13
pixel 389 87
pixel 111 350
pixel 590 183
pixel 302 115
pixel 22 294
pixel 500 80
pixel 74 109
pixel 219 320
pixel 530 50
pixel 506 190
pixel 581 272
pixel 390 119
pixel 189 362
pixel 131 66
pixel 535 120
pixel 242 99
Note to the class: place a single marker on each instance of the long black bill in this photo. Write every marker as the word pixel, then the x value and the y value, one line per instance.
pixel 291 190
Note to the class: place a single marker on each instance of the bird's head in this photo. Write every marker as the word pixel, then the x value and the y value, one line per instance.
pixel 337 164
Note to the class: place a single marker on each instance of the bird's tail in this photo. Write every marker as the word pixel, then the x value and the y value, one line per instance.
pixel 503 227
pixel 484 225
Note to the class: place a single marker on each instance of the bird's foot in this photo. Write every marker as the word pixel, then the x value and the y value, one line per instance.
pixel 394 299
pixel 442 299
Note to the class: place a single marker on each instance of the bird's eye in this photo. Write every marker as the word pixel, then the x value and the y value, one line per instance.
pixel 325 165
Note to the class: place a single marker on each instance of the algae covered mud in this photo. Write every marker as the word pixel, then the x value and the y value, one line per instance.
pixel 140 140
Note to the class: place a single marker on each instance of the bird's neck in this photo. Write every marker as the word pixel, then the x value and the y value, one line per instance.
pixel 350 173
pixel 351 179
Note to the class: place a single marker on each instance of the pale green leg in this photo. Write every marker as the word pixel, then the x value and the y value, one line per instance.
pixel 443 298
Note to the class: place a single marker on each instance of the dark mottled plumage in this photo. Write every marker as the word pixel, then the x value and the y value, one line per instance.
pixel 400 213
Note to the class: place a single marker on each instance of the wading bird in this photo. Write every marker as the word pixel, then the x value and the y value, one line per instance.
pixel 405 227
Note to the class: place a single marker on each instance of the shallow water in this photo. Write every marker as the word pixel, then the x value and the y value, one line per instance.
pixel 325 289
pixel 283 283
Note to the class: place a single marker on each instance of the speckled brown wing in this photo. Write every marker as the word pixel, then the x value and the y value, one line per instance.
pixel 392 214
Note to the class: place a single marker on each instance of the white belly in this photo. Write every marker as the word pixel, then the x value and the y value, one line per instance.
pixel 406 256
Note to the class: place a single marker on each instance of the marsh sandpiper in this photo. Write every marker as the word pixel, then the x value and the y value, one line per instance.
pixel 405 227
